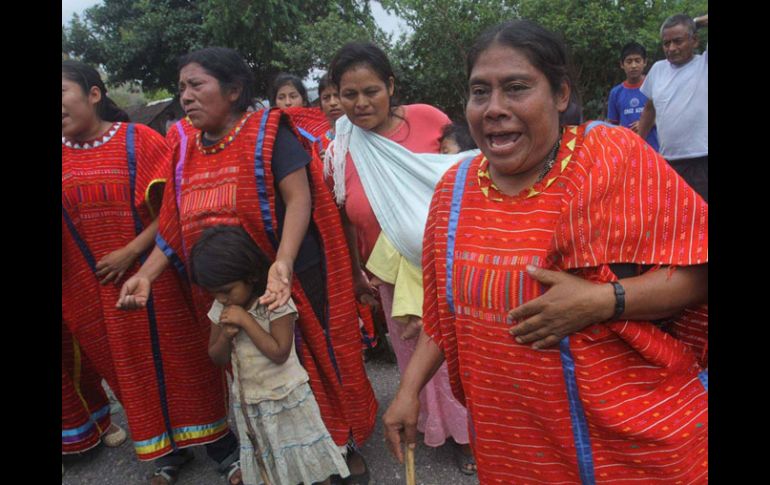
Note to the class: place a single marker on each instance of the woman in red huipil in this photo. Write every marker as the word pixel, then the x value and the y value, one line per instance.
pixel 253 169
pixel 549 260
pixel 156 361
pixel 85 410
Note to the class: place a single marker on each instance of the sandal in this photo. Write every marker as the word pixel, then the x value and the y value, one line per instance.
pixel 170 473
pixel 361 478
pixel 114 436
pixel 232 469
pixel 466 463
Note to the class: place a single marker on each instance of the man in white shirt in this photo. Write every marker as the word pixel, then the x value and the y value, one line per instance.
pixel 677 92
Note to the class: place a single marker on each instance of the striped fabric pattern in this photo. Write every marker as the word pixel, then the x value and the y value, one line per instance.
pixel 155 361
pixel 85 406
pixel 637 387
pixel 347 402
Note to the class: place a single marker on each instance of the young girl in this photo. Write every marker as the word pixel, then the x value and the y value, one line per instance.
pixel 282 435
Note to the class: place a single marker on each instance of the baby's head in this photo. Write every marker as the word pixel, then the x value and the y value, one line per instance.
pixel 229 265
pixel 456 138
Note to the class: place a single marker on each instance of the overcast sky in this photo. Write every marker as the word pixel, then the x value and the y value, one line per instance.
pixel 387 22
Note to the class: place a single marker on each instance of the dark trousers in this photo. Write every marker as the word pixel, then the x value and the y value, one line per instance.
pixel 224 451
pixel 695 171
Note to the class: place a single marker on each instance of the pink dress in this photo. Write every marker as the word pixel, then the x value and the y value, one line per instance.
pixel 441 415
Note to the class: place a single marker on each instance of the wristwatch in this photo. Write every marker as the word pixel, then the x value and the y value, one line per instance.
pixel 620 300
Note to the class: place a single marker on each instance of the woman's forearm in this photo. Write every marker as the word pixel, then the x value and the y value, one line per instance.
pixel 295 192
pixel 144 240
pixel 425 361
pixel 154 265
pixel 664 292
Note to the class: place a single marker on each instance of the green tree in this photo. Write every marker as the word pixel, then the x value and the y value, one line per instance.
pixel 319 41
pixel 138 40
pixel 142 39
pixel 430 61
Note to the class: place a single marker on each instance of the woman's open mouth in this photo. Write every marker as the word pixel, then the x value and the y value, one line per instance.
pixel 502 141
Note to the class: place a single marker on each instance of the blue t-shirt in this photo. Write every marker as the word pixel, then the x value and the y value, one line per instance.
pixel 625 106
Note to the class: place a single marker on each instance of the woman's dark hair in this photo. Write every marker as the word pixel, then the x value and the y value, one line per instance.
pixel 226 254
pixel 87 77
pixel 355 54
pixel 229 68
pixel 324 83
pixel 458 131
pixel 543 49
pixel 282 80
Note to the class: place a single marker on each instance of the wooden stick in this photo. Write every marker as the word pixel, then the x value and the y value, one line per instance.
pixel 410 466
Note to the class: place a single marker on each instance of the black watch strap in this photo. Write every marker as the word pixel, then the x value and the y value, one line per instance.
pixel 620 299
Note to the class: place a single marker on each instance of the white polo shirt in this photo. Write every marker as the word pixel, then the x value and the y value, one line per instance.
pixel 680 96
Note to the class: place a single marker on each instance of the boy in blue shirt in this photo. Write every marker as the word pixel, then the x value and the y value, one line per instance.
pixel 626 101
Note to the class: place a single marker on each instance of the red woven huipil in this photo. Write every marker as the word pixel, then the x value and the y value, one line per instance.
pixel 85 408
pixel 232 183
pixel 156 360
pixel 618 402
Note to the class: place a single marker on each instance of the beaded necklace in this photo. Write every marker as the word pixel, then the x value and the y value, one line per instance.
pixel 224 141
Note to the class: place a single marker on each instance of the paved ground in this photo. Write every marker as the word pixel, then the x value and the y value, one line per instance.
pixel 119 466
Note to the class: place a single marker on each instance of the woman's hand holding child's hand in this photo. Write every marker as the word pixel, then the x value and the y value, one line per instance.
pixel 278 289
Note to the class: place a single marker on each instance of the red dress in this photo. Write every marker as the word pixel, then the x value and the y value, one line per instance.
pixel 155 360
pixel 618 402
pixel 85 408
pixel 232 183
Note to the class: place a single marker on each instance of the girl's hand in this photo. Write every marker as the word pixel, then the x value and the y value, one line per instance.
pixel 114 265
pixel 568 306
pixel 278 288
pixel 234 315
pixel 134 294
pixel 230 331
pixel 364 290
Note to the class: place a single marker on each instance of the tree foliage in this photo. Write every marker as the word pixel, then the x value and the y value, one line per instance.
pixel 137 40
pixel 319 41
pixel 141 40
pixel 431 61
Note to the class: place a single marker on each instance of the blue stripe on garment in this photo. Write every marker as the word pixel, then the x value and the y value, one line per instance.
pixel 594 124
pixel 151 441
pixel 158 364
pixel 704 379
pixel 259 173
pixel 454 217
pixel 131 154
pixel 171 255
pixel 306 135
pixel 79 241
pixel 154 338
pixel 578 417
pixel 96 416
